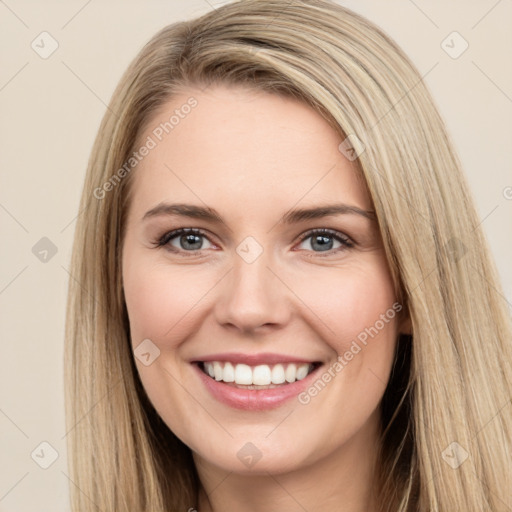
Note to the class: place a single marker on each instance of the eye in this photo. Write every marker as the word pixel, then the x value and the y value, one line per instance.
pixel 323 240
pixel 190 240
pixel 183 239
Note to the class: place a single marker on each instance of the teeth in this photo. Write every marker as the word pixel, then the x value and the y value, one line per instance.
pixel 229 373
pixel 290 373
pixel 302 372
pixel 243 374
pixel 217 371
pixel 278 374
pixel 261 375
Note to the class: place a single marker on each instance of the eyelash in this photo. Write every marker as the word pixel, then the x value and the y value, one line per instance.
pixel 170 235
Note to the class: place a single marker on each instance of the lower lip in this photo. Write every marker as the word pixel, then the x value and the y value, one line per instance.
pixel 254 399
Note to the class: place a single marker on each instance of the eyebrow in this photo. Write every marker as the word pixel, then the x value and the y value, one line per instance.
pixel 291 217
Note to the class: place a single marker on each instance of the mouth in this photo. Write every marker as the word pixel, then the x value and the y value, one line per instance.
pixel 244 382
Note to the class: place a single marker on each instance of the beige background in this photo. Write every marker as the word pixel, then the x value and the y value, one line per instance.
pixel 51 109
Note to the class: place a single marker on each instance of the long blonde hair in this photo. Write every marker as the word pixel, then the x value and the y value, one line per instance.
pixel 452 379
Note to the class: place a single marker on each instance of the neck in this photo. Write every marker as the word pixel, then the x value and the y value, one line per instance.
pixel 344 481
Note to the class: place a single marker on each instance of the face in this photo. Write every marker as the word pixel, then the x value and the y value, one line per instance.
pixel 257 327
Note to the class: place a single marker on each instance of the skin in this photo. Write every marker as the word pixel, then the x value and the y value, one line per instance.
pixel 253 156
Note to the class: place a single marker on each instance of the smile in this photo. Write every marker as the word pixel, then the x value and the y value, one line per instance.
pixel 262 376
pixel 255 382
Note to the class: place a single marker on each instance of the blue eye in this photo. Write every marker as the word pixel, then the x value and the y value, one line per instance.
pixel 322 240
pixel 191 240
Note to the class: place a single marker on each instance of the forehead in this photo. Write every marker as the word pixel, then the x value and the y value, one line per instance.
pixel 243 148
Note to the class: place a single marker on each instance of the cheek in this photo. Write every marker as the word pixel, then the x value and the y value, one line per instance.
pixel 162 304
pixel 161 301
pixel 348 300
pixel 355 310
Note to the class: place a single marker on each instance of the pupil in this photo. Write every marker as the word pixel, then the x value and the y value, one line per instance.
pixel 189 238
pixel 325 242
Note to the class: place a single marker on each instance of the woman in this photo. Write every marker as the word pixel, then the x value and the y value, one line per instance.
pixel 334 337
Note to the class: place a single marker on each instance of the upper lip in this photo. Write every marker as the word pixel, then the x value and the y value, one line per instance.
pixel 253 359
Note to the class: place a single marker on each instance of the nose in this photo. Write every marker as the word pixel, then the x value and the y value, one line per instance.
pixel 252 297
